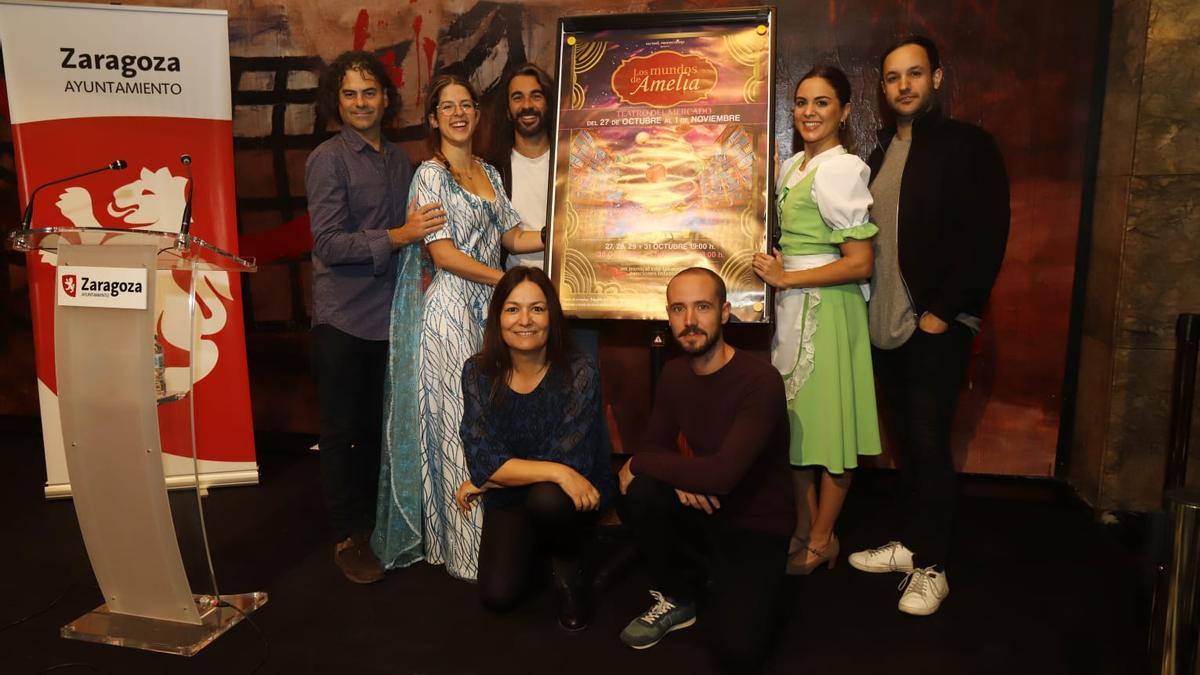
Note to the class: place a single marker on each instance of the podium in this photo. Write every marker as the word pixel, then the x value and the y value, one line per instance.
pixel 110 390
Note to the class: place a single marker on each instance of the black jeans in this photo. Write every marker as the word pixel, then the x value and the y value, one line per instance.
pixel 744 570
pixel 542 519
pixel 349 374
pixel 919 382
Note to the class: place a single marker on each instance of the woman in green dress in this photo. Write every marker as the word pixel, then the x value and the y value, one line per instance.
pixel 821 346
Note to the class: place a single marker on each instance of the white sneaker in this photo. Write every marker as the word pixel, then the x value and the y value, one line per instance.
pixel 924 590
pixel 891 557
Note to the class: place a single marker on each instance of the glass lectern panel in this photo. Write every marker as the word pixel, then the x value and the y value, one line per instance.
pixel 125 334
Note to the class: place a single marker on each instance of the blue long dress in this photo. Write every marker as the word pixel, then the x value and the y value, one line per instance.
pixel 396 540
pixel 451 332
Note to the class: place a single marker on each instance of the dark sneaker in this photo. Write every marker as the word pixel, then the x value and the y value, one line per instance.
pixel 662 618
pixel 354 557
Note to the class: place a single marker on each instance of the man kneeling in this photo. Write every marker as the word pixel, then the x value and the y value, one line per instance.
pixel 728 508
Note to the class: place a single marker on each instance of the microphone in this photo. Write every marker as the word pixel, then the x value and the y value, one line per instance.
pixel 27 217
pixel 186 225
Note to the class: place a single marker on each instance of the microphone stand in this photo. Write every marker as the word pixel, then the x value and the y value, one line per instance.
pixel 27 217
pixel 184 239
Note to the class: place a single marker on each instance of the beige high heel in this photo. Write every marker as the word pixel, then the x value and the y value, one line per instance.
pixel 802 562
pixel 797 544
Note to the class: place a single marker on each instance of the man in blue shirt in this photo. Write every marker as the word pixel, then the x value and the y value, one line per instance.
pixel 357 184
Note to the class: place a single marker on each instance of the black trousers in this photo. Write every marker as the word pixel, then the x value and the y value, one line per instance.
pixel 349 374
pixel 688 550
pixel 919 382
pixel 531 522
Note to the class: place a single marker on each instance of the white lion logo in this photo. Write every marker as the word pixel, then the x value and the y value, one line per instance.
pixel 155 202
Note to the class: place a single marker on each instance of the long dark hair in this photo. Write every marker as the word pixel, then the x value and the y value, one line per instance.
pixel 841 86
pixel 494 359
pixel 330 85
pixel 431 103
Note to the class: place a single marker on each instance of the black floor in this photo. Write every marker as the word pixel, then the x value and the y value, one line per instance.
pixel 1039 588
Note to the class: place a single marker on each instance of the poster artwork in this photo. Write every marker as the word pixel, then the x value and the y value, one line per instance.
pixel 662 163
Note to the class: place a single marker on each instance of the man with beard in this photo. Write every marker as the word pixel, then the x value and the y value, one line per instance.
pixel 723 510
pixel 941 204
pixel 523 155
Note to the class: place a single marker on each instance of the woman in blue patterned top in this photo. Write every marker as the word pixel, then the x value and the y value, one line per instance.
pixel 466 253
pixel 529 429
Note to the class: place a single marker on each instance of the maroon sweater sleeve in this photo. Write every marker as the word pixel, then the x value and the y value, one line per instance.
pixel 753 412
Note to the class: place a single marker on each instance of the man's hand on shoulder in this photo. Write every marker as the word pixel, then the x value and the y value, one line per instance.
pixel 420 222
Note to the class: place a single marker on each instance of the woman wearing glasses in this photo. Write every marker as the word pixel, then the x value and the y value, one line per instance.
pixel 466 253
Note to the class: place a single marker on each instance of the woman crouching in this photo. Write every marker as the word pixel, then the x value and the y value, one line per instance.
pixel 531 404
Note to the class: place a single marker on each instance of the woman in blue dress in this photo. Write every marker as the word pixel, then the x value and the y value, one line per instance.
pixel 530 432
pixel 466 253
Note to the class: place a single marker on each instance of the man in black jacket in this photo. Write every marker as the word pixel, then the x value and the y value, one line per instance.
pixel 941 203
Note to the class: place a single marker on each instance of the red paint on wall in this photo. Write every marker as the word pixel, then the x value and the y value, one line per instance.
pixel 430 47
pixel 360 29
pixel 417 39
pixel 289 240
pixel 394 71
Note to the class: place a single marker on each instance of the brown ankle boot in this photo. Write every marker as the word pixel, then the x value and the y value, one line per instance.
pixel 354 557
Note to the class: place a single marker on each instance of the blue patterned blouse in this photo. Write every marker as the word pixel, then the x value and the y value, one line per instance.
pixel 556 422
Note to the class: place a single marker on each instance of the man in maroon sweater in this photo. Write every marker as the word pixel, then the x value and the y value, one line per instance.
pixel 728 507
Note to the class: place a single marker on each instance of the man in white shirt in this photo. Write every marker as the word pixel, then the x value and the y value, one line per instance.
pixel 525 173
pixel 525 169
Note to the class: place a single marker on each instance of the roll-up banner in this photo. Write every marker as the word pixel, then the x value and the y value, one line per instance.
pixel 89 84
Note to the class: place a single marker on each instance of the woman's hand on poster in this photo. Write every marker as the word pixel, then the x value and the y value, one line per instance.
pixel 467 495
pixel 769 268
pixel 580 490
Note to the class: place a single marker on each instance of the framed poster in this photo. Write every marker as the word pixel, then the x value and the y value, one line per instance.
pixel 663 158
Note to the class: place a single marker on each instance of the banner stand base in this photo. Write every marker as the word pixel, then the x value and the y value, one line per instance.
pixel 207 480
pixel 167 637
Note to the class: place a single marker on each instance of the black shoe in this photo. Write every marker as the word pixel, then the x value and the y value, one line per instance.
pixel 574 602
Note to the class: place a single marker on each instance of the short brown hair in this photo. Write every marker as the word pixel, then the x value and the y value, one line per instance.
pixel 713 276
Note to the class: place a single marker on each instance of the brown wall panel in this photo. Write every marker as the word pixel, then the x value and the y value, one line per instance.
pixel 1022 69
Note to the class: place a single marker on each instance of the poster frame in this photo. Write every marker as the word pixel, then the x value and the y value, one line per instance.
pixel 672 20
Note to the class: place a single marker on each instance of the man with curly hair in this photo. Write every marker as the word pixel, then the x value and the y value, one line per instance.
pixel 357 184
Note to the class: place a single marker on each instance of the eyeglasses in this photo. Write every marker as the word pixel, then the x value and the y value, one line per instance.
pixel 448 107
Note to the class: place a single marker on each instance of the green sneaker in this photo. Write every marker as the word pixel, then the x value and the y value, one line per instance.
pixel 662 618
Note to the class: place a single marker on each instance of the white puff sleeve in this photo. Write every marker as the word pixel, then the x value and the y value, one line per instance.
pixel 843 198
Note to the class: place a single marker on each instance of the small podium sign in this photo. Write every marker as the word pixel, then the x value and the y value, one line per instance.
pixel 112 287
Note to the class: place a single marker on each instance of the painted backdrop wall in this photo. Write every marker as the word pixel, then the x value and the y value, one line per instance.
pixel 1023 69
